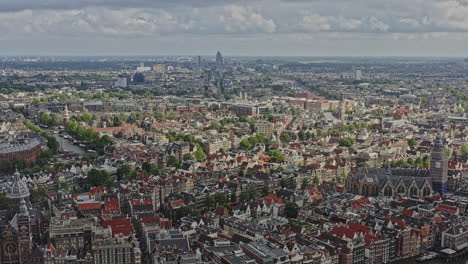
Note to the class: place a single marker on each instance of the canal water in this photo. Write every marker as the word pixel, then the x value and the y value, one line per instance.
pixel 434 261
pixel 68 146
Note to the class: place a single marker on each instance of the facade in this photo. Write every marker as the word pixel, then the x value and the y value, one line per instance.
pixel 266 128
pixel 456 238
pixel 72 233
pixel 244 110
pixel 122 81
pixel 29 152
pixel 116 251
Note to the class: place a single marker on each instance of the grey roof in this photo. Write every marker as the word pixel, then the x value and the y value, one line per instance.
pixel 11 148
pixel 394 176
pixel 18 189
pixel 165 239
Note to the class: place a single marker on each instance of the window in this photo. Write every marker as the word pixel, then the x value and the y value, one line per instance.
pixel 426 191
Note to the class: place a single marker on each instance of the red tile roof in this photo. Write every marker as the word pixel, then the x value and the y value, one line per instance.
pixel 119 226
pixel 447 209
pixel 395 221
pixel 272 198
pixel 89 206
pixel 111 206
pixel 177 203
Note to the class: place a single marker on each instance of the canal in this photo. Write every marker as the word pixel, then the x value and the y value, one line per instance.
pixel 67 146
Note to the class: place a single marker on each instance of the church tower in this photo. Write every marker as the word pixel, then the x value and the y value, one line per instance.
pixel 439 167
pixel 66 115
pixel 24 234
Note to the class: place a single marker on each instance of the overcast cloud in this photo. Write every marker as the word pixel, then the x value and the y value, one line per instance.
pixel 308 27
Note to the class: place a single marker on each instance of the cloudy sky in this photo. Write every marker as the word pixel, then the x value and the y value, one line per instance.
pixel 235 27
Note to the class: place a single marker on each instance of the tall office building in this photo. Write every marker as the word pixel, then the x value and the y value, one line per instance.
pixel 219 59
pixel 122 81
pixel 439 167
pixel 198 68
pixel 357 75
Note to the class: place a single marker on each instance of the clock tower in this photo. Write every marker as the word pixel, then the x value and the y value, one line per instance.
pixel 438 166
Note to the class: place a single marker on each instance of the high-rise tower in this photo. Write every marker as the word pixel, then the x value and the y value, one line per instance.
pixel 439 166
pixel 219 59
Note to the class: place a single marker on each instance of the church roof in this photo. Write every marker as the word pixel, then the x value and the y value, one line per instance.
pixel 18 189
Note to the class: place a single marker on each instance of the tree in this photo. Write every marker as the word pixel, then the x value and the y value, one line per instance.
pixel 464 150
pixel 233 198
pixel 116 122
pixel 286 137
pixel 245 144
pixel 346 142
pixel 199 154
pixel 448 152
pixel 291 210
pixel 103 141
pixel 3 201
pixel 188 156
pixel 123 172
pixel 52 144
pixel 276 155
pixel 209 201
pixel 248 195
pixel 319 132
pixel 173 162
pixel 160 115
pixel 412 142
pixel 215 125
pixel 362 165
pixel 305 183
pixel 100 178
pixel 38 195
pixel 183 212
pixel 288 183
pixel 301 135
pixel 316 180
pixel 220 198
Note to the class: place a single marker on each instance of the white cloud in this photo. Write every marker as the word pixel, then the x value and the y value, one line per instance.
pixel 377 25
pixel 316 23
pixel 451 14
pixel 101 21
pixel 312 22
pixel 243 19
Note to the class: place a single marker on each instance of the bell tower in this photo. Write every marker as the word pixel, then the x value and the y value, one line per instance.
pixel 24 234
pixel 438 166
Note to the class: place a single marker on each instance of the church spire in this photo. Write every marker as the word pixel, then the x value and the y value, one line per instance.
pixel 23 210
